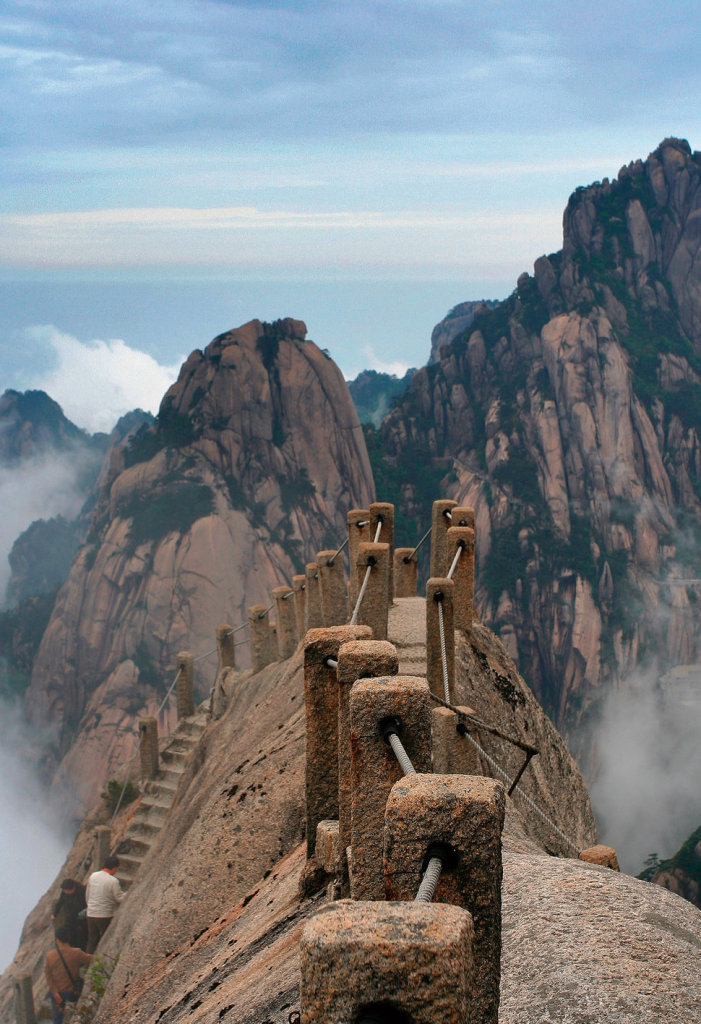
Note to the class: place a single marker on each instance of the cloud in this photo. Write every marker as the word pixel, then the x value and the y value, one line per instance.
pixel 646 793
pixel 33 844
pixel 39 488
pixel 97 382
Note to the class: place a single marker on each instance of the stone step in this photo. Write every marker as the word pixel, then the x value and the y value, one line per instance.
pixel 146 830
pixel 134 846
pixel 174 757
pixel 151 814
pixel 129 865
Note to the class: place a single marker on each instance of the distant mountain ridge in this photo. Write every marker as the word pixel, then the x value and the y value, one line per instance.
pixel 569 416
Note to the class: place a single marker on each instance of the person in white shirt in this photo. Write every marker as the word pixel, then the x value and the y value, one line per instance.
pixel 103 895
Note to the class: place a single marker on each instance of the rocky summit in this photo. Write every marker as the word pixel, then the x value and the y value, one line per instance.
pixel 569 416
pixel 255 456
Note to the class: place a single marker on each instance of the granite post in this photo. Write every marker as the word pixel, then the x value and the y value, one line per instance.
pixel 321 709
pixel 375 769
pixel 374 608
pixel 332 583
pixel 459 818
pixel 185 686
pixel 440 522
pixel 439 597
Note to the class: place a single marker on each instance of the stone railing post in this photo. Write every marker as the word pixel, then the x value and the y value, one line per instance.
pixel 406 573
pixel 375 769
pixel 374 608
pixel 464 574
pixel 453 754
pixel 463 515
pixel 259 634
pixel 358 659
pixel 299 585
pixel 226 647
pixel 463 817
pixel 358 533
pixel 286 621
pixel 440 522
pixel 332 583
pixel 24 1000
pixel 103 846
pixel 148 747
pixel 386 962
pixel 383 512
pixel 314 619
pixel 439 595
pixel 185 687
pixel 321 709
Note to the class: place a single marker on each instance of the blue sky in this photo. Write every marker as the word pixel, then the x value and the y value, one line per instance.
pixel 333 157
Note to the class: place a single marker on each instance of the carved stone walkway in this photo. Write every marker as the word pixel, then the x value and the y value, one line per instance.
pixel 159 793
pixel 407 631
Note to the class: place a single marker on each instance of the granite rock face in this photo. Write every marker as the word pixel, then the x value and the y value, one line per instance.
pixel 569 417
pixel 256 455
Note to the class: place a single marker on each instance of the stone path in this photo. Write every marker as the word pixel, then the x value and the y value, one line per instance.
pixel 159 793
pixel 407 631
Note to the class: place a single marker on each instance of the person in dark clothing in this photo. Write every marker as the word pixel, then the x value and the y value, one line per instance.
pixel 66 913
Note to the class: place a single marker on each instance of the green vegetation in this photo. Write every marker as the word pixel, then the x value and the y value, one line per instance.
pixel 685 858
pixel 119 794
pixel 296 491
pixel 174 509
pixel 21 630
pixel 171 430
pixel 374 393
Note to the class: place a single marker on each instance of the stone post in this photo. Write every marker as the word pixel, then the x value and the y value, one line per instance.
pixel 375 769
pixel 259 634
pixel 386 962
pixel 453 754
pixel 314 618
pixel 440 522
pixel 321 708
pixel 406 572
pixel 383 512
pixel 226 647
pixel 103 845
pixel 286 622
pixel 463 515
pixel 148 747
pixel 332 583
pixel 463 575
pixel 463 816
pixel 24 1000
pixel 358 659
pixel 440 592
pixel 358 533
pixel 185 687
pixel 299 585
pixel 374 608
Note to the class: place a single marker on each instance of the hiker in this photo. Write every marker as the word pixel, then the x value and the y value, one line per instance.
pixel 62 971
pixel 104 894
pixel 67 912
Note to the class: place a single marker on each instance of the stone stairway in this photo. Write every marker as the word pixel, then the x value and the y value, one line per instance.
pixel 158 796
pixel 406 629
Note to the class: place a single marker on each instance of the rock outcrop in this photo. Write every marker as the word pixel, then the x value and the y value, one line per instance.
pixel 255 457
pixel 569 416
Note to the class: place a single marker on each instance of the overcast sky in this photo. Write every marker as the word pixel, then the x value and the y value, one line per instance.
pixel 425 141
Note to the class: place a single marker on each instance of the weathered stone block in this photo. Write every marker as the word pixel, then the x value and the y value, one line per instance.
pixel 452 753
pixel 328 850
pixel 439 598
pixel 604 855
pixel 334 609
pixel 321 709
pixel 374 608
pixel 148 747
pixel 300 599
pixel 466 815
pixel 382 514
pixel 358 659
pixel 406 573
pixel 315 619
pixel 185 686
pixel 375 769
pixel 440 523
pixel 358 533
pixel 463 538
pixel 412 959
pixel 286 621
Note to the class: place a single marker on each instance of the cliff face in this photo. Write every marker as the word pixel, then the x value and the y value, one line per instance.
pixel 569 415
pixel 256 455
